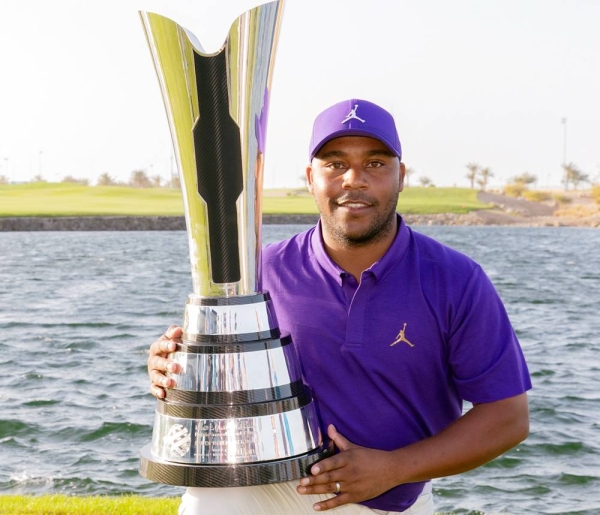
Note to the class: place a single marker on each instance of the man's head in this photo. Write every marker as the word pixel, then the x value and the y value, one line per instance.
pixel 355 174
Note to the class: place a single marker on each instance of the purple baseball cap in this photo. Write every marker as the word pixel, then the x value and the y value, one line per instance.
pixel 354 117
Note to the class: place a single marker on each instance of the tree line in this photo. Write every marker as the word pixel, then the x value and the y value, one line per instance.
pixel 481 175
pixel 137 179
pixel 140 179
pixel 476 175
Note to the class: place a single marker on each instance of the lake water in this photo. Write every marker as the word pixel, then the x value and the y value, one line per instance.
pixel 79 310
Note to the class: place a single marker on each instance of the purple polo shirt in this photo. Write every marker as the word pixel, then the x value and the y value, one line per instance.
pixel 390 360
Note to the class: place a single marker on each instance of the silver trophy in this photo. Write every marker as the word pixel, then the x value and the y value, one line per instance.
pixel 240 414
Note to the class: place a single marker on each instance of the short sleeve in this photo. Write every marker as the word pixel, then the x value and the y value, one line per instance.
pixel 485 356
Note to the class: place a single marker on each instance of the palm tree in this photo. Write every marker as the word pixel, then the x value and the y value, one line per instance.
pixel 484 177
pixel 139 179
pixel 574 175
pixel 472 174
pixel 425 181
pixel 106 180
pixel 156 181
pixel 75 180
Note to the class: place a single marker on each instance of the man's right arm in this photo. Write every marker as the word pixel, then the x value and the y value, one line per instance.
pixel 159 364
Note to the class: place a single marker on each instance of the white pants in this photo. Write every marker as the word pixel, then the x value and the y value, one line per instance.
pixel 279 499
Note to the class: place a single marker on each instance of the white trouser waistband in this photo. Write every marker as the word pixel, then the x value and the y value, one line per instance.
pixel 280 499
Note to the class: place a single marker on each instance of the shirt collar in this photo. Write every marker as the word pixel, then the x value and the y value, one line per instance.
pixel 379 269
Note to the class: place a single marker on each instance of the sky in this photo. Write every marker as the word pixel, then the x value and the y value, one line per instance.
pixel 512 85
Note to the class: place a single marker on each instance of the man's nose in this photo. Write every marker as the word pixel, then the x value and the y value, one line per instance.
pixel 355 177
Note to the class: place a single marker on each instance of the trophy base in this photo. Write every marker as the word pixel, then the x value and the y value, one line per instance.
pixel 228 475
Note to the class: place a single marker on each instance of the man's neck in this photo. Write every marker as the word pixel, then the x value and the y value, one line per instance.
pixel 355 259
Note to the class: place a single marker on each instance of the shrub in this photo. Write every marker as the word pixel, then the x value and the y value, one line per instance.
pixel 74 180
pixel 596 194
pixel 562 199
pixel 577 211
pixel 515 189
pixel 537 196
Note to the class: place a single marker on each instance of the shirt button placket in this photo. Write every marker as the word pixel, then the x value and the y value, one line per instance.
pixel 357 312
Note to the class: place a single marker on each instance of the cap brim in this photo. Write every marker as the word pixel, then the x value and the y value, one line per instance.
pixel 353 132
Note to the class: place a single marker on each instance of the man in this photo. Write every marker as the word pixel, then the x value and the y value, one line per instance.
pixel 394 331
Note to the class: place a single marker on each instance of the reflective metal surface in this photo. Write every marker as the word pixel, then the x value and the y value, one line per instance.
pixel 238 474
pixel 240 413
pixel 249 53
pixel 231 372
pixel 227 319
pixel 236 440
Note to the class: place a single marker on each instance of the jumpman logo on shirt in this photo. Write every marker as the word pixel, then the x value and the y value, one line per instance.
pixel 402 337
pixel 352 115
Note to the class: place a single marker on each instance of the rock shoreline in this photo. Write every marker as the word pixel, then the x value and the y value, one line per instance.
pixel 177 223
pixel 122 223
pixel 493 217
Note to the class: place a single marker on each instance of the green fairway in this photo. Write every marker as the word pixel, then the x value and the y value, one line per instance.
pixel 423 201
pixel 66 199
pixel 96 505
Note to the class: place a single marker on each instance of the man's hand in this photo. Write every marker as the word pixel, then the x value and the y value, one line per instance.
pixel 360 472
pixel 480 435
pixel 158 364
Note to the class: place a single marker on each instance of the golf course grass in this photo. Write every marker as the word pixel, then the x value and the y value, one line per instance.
pixel 67 199
pixel 92 505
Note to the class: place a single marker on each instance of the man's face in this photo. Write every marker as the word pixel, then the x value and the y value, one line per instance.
pixel 355 181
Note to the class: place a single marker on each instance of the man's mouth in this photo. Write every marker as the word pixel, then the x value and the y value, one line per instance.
pixel 353 203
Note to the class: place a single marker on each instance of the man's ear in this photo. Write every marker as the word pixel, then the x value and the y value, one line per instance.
pixel 402 176
pixel 309 180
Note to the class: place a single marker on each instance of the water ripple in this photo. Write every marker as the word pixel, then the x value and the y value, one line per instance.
pixel 74 390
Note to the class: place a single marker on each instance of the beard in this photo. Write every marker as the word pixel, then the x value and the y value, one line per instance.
pixel 379 227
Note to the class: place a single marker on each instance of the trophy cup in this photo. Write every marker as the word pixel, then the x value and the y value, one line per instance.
pixel 240 413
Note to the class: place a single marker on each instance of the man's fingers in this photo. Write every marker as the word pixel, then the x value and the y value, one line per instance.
pixel 334 502
pixel 159 383
pixel 321 471
pixel 159 365
pixel 173 331
pixel 161 347
pixel 342 443
pixel 160 379
pixel 165 346
pixel 159 393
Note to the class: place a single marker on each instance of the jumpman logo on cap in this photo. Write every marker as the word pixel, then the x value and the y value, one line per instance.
pixel 352 115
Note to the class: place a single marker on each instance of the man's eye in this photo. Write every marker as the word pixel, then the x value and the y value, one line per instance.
pixel 336 166
pixel 375 164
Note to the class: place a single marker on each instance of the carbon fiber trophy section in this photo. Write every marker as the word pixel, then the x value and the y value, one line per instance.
pixel 219 165
pixel 240 413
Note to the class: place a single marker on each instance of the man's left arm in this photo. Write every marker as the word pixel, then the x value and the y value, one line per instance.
pixel 480 435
